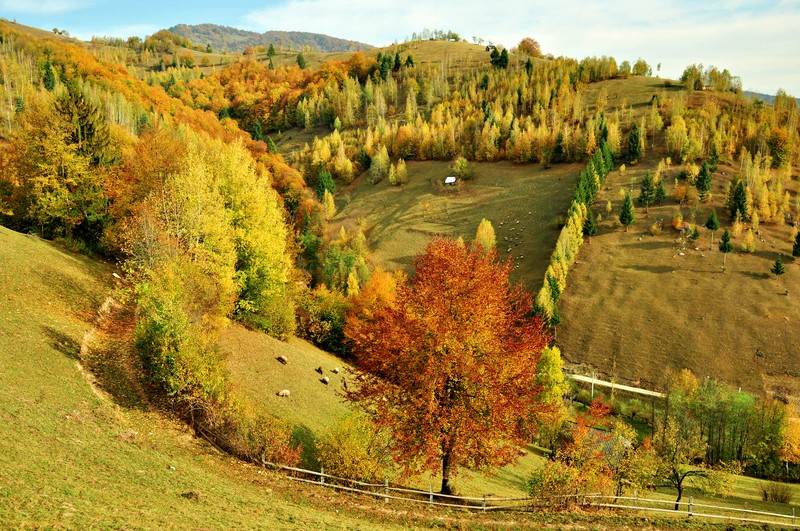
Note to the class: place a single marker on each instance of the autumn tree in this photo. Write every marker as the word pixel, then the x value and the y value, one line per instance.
pixel 712 224
pixel 530 47
pixel 450 368
pixel 550 376
pixel 484 236
pixel 725 246
pixel 626 214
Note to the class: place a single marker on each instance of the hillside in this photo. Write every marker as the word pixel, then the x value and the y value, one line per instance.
pixel 226 38
pixel 663 301
pixel 76 456
pixel 523 203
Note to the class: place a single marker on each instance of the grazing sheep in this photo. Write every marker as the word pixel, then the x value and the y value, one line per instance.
pixel 325 380
pixel 284 393
pixel 282 359
pixel 335 370
pixel 319 370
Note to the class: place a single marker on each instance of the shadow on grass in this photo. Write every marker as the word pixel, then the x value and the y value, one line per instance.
pixel 658 269
pixel 302 434
pixel 80 301
pixel 753 275
pixel 61 342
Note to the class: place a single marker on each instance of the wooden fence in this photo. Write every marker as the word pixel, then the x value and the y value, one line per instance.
pixel 388 492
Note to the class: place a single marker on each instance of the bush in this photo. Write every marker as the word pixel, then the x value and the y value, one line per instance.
pixel 655 228
pixel 462 169
pixel 777 492
pixel 354 449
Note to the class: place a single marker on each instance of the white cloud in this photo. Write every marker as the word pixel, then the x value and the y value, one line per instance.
pixel 754 40
pixel 42 7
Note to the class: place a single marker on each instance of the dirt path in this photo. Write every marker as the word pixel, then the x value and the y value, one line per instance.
pixel 108 360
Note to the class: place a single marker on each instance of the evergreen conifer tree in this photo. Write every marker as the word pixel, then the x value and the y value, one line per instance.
pixel 647 191
pixel 271 147
pixel 397 64
pixel 725 246
pixel 737 201
pixel 661 192
pixel 49 78
pixel 301 61
pixel 590 225
pixel 777 268
pixel 703 181
pixel 626 214
pixel 634 145
pixel 712 224
pixel 796 246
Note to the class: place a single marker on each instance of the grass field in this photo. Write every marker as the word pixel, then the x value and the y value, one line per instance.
pixel 523 202
pixel 637 304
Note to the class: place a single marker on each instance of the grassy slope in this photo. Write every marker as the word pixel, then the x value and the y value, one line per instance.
pixel 73 458
pixel 661 301
pixel 523 202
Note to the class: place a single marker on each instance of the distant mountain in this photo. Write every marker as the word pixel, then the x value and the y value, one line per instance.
pixel 225 38
pixel 767 98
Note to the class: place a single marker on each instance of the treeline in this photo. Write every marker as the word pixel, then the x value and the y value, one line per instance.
pixel 109 165
pixel 580 222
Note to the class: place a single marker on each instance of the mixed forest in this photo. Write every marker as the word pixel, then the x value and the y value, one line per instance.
pixel 179 166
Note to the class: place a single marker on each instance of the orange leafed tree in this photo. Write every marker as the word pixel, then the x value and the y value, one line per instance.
pixel 450 367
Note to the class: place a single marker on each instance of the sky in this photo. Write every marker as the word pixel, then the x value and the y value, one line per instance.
pixel 755 40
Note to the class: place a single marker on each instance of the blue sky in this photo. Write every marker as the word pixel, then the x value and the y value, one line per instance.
pixel 756 40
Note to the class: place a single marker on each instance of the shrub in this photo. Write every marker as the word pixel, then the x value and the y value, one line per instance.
pixel 655 228
pixel 677 221
pixel 777 492
pixel 354 449
pixel 462 169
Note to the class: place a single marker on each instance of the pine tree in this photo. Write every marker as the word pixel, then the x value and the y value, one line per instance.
pixel 661 192
pixel 271 51
pixel 409 61
pixel 647 191
pixel 712 224
pixel 634 145
pixel 590 225
pixel 725 246
pixel 737 201
pixel 703 181
pixel 397 64
pixel 713 157
pixel 301 61
pixel 777 267
pixel 626 214
pixel 49 78
pixel 271 147
pixel 796 246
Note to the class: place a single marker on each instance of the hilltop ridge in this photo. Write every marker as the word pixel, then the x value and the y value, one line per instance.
pixel 229 39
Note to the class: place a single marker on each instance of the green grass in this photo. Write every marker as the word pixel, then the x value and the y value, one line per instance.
pixel 523 202
pixel 74 458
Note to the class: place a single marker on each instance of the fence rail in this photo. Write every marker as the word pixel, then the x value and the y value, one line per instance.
pixel 492 503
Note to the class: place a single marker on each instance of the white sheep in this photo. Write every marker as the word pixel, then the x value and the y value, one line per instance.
pixel 284 393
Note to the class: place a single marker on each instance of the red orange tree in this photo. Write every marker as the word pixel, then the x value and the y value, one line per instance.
pixel 450 366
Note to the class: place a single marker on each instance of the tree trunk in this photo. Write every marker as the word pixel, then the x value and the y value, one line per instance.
pixel 724 259
pixel 446 473
pixel 680 495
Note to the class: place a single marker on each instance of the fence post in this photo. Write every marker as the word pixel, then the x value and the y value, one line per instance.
pixel 634 498
pixel 484 503
pixel 430 493
pixel 386 490
pixel 691 504
pixel 745 511
pixel 321 475
pixel 792 515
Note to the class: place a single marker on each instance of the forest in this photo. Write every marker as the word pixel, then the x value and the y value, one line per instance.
pixel 137 152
